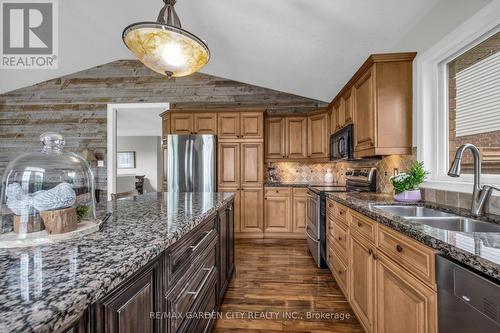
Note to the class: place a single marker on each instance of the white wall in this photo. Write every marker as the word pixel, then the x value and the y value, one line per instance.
pixel 148 159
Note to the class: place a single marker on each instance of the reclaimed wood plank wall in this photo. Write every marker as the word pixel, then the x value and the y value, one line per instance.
pixel 75 105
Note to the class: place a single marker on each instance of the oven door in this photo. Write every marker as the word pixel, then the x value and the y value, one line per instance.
pixel 313 225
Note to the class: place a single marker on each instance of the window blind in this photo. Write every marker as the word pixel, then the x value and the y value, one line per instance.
pixel 478 97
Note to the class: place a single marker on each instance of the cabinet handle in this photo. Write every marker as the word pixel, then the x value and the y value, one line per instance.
pixel 399 248
pixel 370 251
pixel 195 247
pixel 203 283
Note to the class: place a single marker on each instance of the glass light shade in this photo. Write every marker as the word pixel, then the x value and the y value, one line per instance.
pixel 166 49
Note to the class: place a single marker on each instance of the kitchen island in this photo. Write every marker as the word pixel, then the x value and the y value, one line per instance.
pixel 158 253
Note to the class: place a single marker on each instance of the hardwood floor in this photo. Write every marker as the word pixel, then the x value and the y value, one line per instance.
pixel 278 279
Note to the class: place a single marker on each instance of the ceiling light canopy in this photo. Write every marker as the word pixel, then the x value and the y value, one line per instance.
pixel 164 46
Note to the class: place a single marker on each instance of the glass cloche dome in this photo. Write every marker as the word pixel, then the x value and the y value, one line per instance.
pixel 45 195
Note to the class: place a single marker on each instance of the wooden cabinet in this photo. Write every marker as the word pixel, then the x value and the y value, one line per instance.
pixel 205 123
pixel 251 125
pixel 362 281
pixel 228 160
pixel 225 248
pixel 127 309
pixel 165 124
pixel 181 123
pixel 404 304
pixel 241 125
pixel 251 220
pixel 390 280
pixel 317 136
pixel 277 211
pixel 365 115
pixel 229 125
pixel 275 138
pixel 377 100
pixel 299 211
pixel 252 165
pixel 296 137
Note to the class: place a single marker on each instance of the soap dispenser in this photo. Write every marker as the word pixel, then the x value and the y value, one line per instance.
pixel 329 176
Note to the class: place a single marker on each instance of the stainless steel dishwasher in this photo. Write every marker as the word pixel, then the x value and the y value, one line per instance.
pixel 467 302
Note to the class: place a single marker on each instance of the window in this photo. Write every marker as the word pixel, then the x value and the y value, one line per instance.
pixel 474 104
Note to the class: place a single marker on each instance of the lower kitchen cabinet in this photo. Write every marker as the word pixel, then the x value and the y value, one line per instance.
pixel 285 212
pixel 188 278
pixel 127 309
pixel 251 220
pixel 299 211
pixel 362 281
pixel 404 304
pixel 390 282
pixel 277 214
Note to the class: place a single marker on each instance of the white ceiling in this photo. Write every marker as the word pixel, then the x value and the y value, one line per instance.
pixel 306 47
pixel 131 122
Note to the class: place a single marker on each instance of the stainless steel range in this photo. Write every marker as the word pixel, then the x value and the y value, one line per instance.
pixel 358 179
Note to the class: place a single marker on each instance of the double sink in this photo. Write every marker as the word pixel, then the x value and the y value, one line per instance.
pixel 439 219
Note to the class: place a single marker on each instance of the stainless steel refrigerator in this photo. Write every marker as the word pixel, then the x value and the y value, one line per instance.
pixel 191 165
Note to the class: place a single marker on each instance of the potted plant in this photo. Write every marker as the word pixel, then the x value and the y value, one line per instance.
pixel 406 185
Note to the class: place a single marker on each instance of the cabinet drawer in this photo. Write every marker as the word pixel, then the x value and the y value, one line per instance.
pixel 330 228
pixel 363 226
pixel 418 259
pixel 182 255
pixel 204 316
pixel 340 239
pixel 277 191
pixel 330 206
pixel 182 299
pixel 341 213
pixel 299 192
pixel 339 270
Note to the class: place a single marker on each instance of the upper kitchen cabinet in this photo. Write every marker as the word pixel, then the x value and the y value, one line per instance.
pixel 295 138
pixel 241 125
pixel 317 136
pixel 193 122
pixel 275 138
pixel 378 100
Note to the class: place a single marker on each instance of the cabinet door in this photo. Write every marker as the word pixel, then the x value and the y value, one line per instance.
pixel 299 216
pixel 228 125
pixel 317 133
pixel 223 252
pixel 296 137
pixel 229 164
pixel 404 304
pixel 181 123
pixel 275 138
pixel 205 123
pixel 252 164
pixel 277 214
pixel 348 106
pixel 362 278
pixel 364 113
pixel 236 211
pixel 127 309
pixel 252 124
pixel 251 210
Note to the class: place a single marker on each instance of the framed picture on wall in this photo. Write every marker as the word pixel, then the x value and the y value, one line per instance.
pixel 125 160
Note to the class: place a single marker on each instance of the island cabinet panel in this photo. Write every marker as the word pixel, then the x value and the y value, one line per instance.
pixel 205 123
pixel 181 123
pixel 225 249
pixel 296 137
pixel 128 308
pixel 317 133
pixel 275 138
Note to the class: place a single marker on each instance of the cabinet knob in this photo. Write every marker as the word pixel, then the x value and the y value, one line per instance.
pixel 399 248
pixel 360 224
pixel 370 251
pixel 340 272
pixel 375 256
pixel 340 238
pixel 341 212
pixel 330 205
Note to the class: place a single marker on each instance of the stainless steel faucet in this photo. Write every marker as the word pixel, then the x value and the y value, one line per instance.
pixel 480 193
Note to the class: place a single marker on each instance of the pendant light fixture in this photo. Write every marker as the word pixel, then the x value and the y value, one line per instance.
pixel 164 46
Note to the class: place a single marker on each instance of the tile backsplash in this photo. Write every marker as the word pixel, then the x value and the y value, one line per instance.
pixel 459 199
pixel 314 172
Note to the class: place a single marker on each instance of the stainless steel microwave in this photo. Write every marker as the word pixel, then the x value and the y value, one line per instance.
pixel 342 144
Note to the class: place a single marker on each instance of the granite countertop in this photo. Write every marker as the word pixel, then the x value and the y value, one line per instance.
pixel 44 287
pixel 296 184
pixel 478 250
